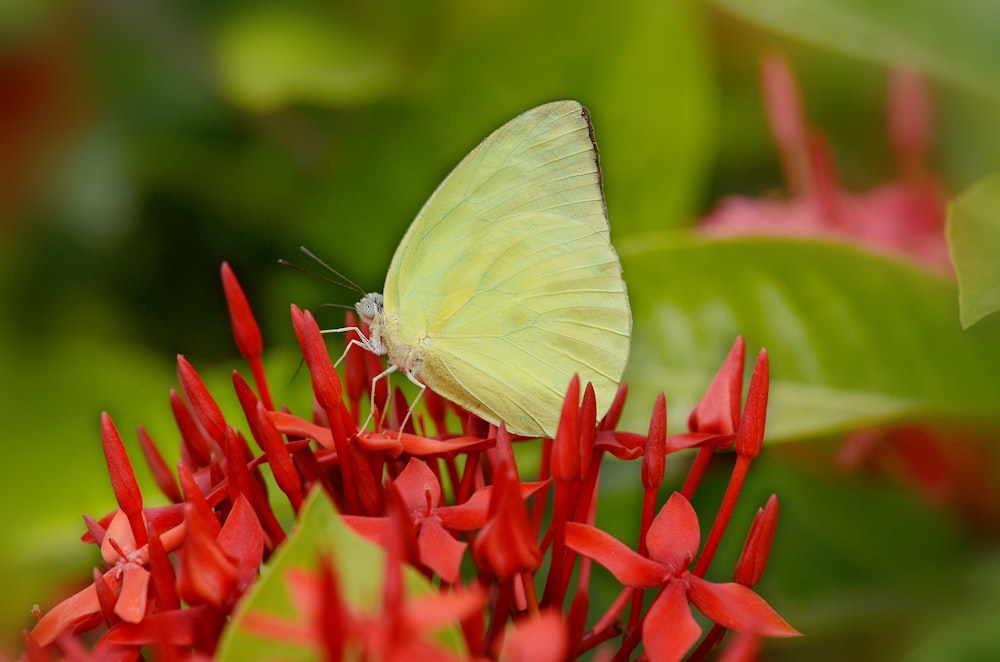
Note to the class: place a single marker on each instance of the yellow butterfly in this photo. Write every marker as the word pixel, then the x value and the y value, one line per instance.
pixel 506 283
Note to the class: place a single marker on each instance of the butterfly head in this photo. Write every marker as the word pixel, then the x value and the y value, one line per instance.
pixel 370 307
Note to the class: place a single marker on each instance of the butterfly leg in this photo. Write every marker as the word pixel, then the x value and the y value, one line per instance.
pixel 371 411
pixel 364 343
pixel 409 411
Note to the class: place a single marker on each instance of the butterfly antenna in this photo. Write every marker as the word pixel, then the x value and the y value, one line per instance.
pixel 347 282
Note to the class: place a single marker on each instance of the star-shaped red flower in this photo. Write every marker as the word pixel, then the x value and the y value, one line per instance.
pixel 668 629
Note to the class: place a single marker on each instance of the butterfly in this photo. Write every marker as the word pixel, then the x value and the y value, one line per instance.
pixel 506 283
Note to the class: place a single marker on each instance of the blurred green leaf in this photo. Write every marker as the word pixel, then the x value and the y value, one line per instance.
pixel 852 555
pixel 969 630
pixel 53 470
pixel 854 338
pixel 360 568
pixel 953 40
pixel 974 241
pixel 283 54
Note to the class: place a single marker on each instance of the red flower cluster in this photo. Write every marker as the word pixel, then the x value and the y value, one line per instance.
pixel 173 575
pixel 903 217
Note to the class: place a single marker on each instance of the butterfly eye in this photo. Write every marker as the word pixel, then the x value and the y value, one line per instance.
pixel 369 306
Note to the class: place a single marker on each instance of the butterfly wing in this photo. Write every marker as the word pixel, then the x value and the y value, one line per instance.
pixel 508 278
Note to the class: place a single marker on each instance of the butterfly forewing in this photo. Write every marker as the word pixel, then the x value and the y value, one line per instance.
pixel 509 277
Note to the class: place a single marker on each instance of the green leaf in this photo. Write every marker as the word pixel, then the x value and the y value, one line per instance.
pixel 360 567
pixel 974 241
pixel 271 57
pixel 968 631
pixel 854 338
pixel 954 40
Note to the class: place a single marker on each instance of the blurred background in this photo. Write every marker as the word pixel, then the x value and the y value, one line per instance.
pixel 142 143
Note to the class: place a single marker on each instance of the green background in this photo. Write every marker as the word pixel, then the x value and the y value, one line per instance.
pixel 143 143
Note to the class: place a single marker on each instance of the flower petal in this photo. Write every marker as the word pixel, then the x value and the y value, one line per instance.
pixel 540 639
pixel 131 603
pixel 414 482
pixel 472 514
pixel 719 409
pixel 669 630
pixel 674 535
pixel 439 550
pixel 64 616
pixel 626 565
pixel 750 434
pixel 242 539
pixel 506 543
pixel 736 607
pixel 205 573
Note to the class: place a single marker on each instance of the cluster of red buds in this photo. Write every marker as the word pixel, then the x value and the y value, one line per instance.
pixel 510 557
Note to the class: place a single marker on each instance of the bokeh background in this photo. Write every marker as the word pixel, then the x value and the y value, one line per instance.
pixel 143 142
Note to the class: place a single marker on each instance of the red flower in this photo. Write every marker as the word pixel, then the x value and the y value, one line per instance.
pixel 901 217
pixel 434 522
pixel 668 628
pixel 174 574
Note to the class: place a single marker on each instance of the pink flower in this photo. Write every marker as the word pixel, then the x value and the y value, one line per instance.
pixel 902 217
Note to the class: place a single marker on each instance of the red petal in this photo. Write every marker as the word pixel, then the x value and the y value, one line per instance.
pixel 163 579
pixel 195 498
pixel 278 457
pixel 784 109
pixel 750 434
pixel 433 611
pixel 417 445
pixel 507 543
pixel 157 465
pixel 65 615
pixel 676 442
pixel 414 483
pixel 543 638
pixel 205 574
pixel 669 630
pixel 246 333
pixel 623 445
pixel 204 406
pixel 626 565
pixel 472 514
pixel 117 539
pixel 440 551
pixel 177 627
pixel 238 475
pixel 375 529
pixel 909 113
pixel 131 603
pixel 299 427
pixel 566 445
pixel 194 449
pixel 326 384
pixel 674 535
pixel 719 409
pixel 123 480
pixel 736 607
pixel 588 427
pixel 756 549
pixel 654 460
pixel 242 539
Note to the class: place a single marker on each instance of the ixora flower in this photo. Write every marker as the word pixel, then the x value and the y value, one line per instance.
pixel 668 628
pixel 479 561
pixel 902 217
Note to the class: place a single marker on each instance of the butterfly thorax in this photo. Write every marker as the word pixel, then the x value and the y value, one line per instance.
pixel 383 335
